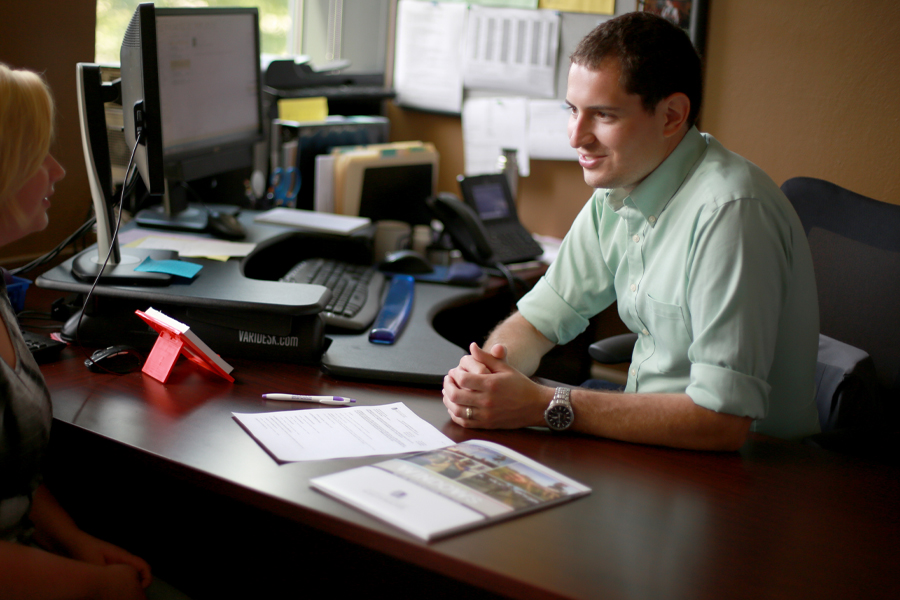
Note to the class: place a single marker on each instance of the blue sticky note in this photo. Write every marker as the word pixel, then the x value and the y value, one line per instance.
pixel 181 268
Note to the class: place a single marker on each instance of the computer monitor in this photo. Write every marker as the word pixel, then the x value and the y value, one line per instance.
pixel 139 95
pixel 386 181
pixel 211 103
pixel 190 92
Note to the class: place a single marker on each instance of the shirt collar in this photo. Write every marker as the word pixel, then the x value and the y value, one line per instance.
pixel 653 194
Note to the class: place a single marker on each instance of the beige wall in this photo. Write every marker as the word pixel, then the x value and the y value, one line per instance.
pixel 50 36
pixel 800 87
pixel 805 87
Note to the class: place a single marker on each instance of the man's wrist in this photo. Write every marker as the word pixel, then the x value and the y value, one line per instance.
pixel 559 415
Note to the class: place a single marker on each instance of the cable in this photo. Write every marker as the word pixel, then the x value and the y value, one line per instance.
pixel 126 188
pixel 78 233
pixel 513 281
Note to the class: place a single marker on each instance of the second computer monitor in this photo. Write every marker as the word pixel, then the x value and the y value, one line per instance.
pixel 210 104
pixel 209 88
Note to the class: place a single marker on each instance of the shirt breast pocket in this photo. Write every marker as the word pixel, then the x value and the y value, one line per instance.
pixel 667 325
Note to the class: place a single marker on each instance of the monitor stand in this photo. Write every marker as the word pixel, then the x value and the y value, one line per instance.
pixel 87 267
pixel 175 212
pixel 193 218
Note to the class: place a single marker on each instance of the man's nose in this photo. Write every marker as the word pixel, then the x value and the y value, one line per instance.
pixel 579 134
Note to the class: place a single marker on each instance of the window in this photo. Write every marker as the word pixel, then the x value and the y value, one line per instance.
pixel 323 30
pixel 113 16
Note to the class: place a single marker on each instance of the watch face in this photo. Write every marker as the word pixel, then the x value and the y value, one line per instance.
pixel 559 417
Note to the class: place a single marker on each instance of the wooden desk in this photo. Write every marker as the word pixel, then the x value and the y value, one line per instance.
pixel 166 469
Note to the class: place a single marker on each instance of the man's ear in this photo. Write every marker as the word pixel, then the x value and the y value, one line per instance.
pixel 676 109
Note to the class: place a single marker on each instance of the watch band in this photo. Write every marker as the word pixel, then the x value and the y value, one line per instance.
pixel 563 395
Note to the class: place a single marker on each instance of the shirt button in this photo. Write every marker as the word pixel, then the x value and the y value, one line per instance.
pixel 636 238
pixel 645 332
pixel 633 287
pixel 652 219
pixel 634 372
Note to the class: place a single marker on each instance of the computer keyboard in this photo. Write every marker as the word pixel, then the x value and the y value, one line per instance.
pixel 356 290
pixel 43 348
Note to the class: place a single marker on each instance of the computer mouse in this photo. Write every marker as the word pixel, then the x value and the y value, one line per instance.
pixel 119 359
pixel 407 262
pixel 225 225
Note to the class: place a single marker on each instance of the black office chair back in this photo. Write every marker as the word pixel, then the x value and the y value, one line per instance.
pixel 855 244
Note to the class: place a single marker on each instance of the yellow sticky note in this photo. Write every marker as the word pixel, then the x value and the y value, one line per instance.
pixel 601 7
pixel 303 109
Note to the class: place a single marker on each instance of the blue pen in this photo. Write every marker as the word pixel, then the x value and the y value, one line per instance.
pixel 330 400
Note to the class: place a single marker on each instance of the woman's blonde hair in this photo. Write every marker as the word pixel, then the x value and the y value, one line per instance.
pixel 26 127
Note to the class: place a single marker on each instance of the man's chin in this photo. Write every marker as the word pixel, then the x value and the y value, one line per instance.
pixel 596 180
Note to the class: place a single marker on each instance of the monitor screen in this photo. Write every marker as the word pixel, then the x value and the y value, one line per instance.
pixel 196 72
pixel 397 193
pixel 209 88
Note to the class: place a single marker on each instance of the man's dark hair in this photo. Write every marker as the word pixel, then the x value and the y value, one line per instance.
pixel 656 57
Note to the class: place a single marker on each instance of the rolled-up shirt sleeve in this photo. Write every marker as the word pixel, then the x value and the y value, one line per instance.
pixel 579 283
pixel 739 275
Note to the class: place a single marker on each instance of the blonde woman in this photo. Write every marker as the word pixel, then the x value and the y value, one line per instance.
pixel 43 554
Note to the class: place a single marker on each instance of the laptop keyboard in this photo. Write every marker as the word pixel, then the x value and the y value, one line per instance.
pixel 356 290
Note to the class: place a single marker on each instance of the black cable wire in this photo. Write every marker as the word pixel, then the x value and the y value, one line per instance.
pixel 516 284
pixel 126 189
pixel 41 260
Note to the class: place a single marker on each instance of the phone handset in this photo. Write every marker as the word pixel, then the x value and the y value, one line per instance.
pixel 464 226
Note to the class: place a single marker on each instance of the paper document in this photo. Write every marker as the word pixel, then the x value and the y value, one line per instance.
pixel 548 122
pixel 428 56
pixel 314 221
pixel 195 247
pixel 322 433
pixel 489 126
pixel 512 50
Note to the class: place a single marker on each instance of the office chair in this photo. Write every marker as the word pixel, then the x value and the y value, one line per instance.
pixel 855 244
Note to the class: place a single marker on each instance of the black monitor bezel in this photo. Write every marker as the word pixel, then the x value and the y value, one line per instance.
pixel 141 112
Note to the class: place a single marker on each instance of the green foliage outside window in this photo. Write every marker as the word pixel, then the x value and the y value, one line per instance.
pixel 113 17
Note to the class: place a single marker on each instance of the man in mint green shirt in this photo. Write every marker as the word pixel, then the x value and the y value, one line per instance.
pixel 706 258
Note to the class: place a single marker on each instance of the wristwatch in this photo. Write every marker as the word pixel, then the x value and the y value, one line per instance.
pixel 559 415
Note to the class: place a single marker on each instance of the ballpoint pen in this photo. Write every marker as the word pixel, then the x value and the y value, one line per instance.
pixel 332 400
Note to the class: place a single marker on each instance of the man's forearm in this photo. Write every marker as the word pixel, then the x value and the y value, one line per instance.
pixel 525 345
pixel 659 419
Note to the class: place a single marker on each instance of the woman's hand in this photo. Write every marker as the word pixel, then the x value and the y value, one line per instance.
pixel 87 548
